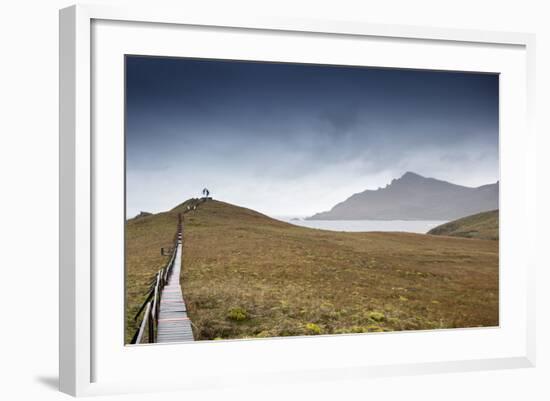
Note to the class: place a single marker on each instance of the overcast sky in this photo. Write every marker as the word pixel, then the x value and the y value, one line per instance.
pixel 292 139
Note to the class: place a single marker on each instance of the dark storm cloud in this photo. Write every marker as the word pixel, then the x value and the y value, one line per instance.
pixel 268 125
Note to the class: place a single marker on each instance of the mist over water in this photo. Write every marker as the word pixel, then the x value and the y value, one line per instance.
pixel 411 226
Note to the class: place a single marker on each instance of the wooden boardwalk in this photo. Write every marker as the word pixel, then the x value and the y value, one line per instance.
pixel 173 323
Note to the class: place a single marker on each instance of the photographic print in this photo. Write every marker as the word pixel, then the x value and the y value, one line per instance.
pixel 272 199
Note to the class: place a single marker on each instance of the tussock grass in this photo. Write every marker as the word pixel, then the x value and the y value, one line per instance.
pixel 288 280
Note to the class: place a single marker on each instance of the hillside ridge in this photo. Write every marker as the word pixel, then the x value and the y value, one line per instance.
pixel 483 225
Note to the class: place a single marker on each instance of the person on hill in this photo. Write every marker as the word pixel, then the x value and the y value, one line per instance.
pixel 206 192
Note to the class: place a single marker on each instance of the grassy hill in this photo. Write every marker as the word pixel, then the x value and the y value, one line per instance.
pixel 247 275
pixel 481 225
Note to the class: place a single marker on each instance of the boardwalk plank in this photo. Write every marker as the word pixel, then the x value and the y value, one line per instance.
pixel 173 323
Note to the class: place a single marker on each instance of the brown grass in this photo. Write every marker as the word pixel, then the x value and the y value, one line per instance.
pixel 481 225
pixel 246 275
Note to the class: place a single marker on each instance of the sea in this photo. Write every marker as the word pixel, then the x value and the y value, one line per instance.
pixel 411 226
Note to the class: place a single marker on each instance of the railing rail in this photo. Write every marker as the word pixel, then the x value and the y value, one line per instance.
pixel 151 305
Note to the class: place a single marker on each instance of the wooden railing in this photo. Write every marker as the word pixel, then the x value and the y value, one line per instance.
pixel 151 306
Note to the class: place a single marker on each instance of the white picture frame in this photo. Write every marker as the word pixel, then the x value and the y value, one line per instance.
pixel 85 355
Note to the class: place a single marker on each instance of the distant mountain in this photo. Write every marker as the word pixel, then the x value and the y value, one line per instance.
pixel 414 197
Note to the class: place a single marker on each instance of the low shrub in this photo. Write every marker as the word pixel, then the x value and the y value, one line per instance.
pixel 312 328
pixel 374 328
pixel 376 316
pixel 237 314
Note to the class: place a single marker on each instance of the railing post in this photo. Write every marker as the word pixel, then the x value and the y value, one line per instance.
pixel 151 328
pixel 159 275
